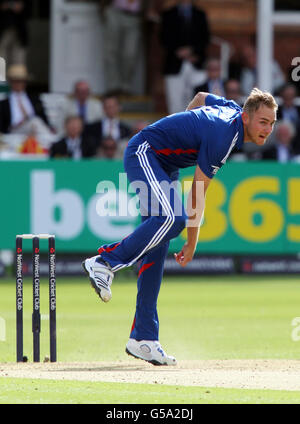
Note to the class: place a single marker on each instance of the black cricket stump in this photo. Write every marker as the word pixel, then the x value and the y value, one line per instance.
pixel 36 316
pixel 52 299
pixel 19 298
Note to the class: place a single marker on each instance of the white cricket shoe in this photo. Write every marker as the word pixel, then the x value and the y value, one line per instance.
pixel 101 276
pixel 150 351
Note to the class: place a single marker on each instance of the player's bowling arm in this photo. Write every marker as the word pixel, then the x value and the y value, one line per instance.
pixel 195 210
pixel 198 101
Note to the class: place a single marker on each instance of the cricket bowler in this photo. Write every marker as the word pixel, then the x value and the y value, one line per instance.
pixel 203 136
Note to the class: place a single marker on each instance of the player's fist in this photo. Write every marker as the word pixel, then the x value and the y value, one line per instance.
pixel 185 255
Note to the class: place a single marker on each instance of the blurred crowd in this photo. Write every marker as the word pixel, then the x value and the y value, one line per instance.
pixel 93 124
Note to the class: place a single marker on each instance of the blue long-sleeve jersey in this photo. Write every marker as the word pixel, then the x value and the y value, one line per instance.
pixel 204 136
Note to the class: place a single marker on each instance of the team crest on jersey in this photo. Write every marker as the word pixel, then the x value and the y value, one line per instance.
pixel 215 169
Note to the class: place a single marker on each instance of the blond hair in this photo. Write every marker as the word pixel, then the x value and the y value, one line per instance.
pixel 258 98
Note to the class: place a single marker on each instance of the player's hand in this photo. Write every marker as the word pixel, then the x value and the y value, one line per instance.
pixel 185 255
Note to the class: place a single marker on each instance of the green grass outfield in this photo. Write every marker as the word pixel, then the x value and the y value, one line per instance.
pixel 200 318
pixel 77 392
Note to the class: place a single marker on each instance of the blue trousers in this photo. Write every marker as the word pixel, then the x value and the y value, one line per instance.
pixel 163 218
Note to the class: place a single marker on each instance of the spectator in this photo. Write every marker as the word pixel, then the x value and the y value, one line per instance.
pixel 31 145
pixel 111 124
pixel 139 126
pixel 288 111
pixel 232 89
pixel 214 83
pixel 83 104
pixel 108 149
pixel 249 72
pixel 122 35
pixel 75 144
pixel 185 36
pixel 13 31
pixel 21 111
pixel 282 150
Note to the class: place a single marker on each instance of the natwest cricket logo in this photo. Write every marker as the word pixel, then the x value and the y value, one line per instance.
pixel 19 293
